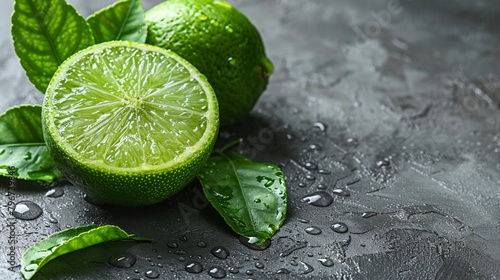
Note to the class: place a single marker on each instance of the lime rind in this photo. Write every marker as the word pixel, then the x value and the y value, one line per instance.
pixel 57 129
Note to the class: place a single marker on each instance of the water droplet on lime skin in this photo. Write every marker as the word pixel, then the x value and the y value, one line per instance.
pixel 319 198
pixel 220 252
pixel 217 272
pixel 27 210
pixel 201 17
pixel 123 260
pixel 193 267
pixel 232 61
pixel 202 244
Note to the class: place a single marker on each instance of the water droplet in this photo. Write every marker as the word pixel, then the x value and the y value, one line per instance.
pixel 302 185
pixel 310 177
pixel 368 214
pixel 307 268
pixel 229 29
pixel 201 17
pixel 193 267
pixel 182 259
pixel 339 227
pixel 27 156
pixel 52 219
pixel 202 244
pixel 27 210
pixel 321 126
pixel 313 230
pixel 328 262
pixel 152 274
pixel 321 187
pixel 183 238
pixel 123 260
pixel 172 245
pixel 217 272
pixel 324 172
pixel 55 192
pixel 246 241
pixel 382 163
pixel 232 61
pixel 341 192
pixel 298 245
pixel 180 252
pixel 304 221
pixel 249 272
pixel 315 147
pixel 352 142
pixel 319 198
pixel 311 166
pixel 234 270
pixel 293 262
pixel 259 265
pixel 283 271
pixel 220 252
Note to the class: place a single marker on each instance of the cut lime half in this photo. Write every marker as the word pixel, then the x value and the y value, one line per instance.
pixel 129 123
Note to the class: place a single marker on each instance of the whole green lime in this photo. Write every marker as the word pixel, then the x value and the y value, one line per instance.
pixel 221 43
pixel 131 124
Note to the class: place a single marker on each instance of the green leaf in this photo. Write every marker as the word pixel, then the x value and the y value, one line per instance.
pixel 124 20
pixel 45 33
pixel 68 241
pixel 250 196
pixel 22 145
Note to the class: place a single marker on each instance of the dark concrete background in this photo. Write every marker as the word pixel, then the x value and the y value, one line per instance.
pixel 397 103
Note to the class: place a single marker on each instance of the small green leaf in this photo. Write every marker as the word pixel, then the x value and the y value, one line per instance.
pixel 45 33
pixel 250 196
pixel 22 145
pixel 124 20
pixel 68 241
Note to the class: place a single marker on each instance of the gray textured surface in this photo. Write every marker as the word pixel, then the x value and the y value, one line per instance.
pixel 405 116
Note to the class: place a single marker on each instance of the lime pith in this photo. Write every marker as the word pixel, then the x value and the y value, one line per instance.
pixel 129 123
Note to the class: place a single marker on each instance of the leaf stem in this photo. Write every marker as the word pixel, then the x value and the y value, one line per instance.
pixel 229 145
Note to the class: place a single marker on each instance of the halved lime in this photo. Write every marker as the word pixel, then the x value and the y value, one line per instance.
pixel 131 124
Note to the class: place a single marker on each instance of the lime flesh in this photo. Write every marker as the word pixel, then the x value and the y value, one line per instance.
pixel 129 123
